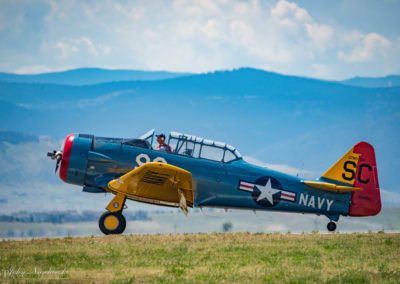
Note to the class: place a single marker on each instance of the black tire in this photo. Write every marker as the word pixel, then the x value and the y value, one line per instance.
pixel 116 223
pixel 331 226
pixel 123 224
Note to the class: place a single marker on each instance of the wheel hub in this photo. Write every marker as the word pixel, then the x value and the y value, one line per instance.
pixel 111 222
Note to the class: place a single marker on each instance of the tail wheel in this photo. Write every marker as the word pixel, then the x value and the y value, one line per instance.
pixel 331 226
pixel 112 223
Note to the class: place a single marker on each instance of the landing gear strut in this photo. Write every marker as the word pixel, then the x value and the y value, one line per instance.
pixel 113 222
pixel 331 226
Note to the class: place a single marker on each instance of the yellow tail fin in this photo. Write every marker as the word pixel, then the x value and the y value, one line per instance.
pixel 344 170
pixel 357 168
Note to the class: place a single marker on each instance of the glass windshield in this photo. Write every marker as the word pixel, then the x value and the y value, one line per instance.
pixel 229 156
pixel 211 153
pixel 186 148
pixel 148 136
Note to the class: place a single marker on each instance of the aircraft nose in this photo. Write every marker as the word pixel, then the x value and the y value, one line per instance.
pixel 66 156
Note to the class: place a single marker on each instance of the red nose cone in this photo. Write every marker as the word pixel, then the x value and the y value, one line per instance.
pixel 65 156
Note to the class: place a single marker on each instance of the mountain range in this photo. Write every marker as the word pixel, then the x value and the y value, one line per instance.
pixel 90 76
pixel 370 82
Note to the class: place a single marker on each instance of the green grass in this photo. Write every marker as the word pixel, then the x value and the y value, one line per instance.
pixel 206 258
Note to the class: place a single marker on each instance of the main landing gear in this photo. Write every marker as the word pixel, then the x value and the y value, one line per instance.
pixel 113 222
pixel 331 226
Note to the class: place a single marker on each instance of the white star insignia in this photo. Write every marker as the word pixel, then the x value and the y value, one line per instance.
pixel 266 192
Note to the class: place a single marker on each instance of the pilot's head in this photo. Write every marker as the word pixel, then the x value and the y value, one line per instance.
pixel 161 139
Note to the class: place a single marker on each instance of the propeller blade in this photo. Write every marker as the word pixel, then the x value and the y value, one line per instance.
pixel 57 164
pixel 55 155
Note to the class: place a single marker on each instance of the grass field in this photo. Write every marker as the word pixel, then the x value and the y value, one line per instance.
pixel 233 257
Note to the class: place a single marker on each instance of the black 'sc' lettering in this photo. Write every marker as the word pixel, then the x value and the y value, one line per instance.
pixel 351 171
pixel 365 181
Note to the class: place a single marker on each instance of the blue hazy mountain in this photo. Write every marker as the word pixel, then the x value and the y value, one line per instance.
pixel 371 82
pixel 246 83
pixel 302 122
pixel 88 76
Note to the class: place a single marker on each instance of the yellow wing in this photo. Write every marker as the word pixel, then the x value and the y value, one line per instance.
pixel 157 183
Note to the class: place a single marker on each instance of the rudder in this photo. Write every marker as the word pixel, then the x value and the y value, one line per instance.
pixel 368 201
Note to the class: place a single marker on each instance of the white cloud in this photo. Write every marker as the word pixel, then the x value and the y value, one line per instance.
pixel 321 71
pixel 66 49
pixel 321 35
pixel 289 10
pixel 365 47
pixel 33 69
pixel 72 46
pixel 194 36
pixel 95 50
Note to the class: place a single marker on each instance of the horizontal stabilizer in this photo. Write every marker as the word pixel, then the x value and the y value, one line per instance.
pixel 331 187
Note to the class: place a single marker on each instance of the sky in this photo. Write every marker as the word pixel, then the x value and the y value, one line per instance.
pixel 322 39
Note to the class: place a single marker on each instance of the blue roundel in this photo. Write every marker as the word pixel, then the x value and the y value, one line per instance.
pixel 267 191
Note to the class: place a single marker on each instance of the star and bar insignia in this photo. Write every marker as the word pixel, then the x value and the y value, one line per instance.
pixel 267 191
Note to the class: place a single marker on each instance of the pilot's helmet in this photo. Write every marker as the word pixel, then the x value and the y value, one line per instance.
pixel 161 136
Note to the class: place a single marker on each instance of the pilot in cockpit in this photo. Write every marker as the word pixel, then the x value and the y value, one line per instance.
pixel 161 143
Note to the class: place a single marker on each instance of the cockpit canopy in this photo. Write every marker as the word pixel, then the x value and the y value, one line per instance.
pixel 197 147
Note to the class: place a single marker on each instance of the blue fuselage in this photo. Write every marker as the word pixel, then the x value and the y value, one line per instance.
pixel 237 184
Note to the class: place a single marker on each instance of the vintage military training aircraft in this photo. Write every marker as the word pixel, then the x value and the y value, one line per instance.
pixel 189 171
